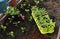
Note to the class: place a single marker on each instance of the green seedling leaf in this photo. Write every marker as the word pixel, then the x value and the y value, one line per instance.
pixel 26 10
pixel 22 29
pixel 18 21
pixel 36 1
pixel 3 27
pixel 11 34
pixel 14 22
pixel 30 19
pixel 12 11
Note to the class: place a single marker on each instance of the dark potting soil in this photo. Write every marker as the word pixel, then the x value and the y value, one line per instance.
pixel 31 31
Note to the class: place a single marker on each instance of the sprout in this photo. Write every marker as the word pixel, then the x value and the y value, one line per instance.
pixel 30 19
pixel 22 29
pixel 11 34
pixel 12 11
pixel 3 27
pixel 36 1
pixel 27 10
pixel 14 22
pixel 18 21
pixel 8 18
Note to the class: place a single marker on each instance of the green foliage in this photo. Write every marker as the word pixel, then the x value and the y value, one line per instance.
pixel 30 18
pixel 11 34
pixel 10 20
pixel 22 5
pixel 44 23
pixel 27 10
pixel 12 11
pixel 23 29
pixel 36 1
pixel 16 23
pixel 3 27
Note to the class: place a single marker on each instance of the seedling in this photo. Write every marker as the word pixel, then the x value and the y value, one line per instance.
pixel 15 23
pixel 10 19
pixel 27 10
pixel 3 27
pixel 43 21
pixel 22 5
pixel 12 11
pixel 18 21
pixel 36 1
pixel 30 18
pixel 23 29
pixel 11 34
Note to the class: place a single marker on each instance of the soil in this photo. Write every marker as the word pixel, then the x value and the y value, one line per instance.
pixel 31 31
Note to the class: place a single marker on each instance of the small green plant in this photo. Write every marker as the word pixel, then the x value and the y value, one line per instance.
pixel 30 18
pixel 10 20
pixel 23 29
pixel 22 5
pixel 27 10
pixel 44 23
pixel 12 11
pixel 16 23
pixel 36 1
pixel 3 27
pixel 11 34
